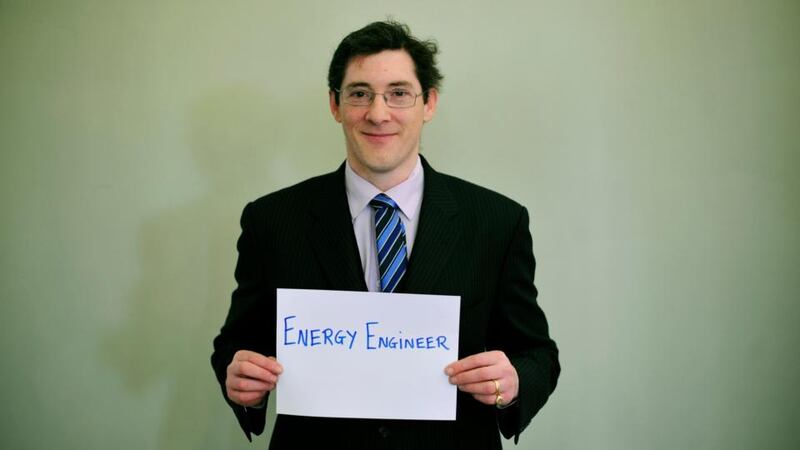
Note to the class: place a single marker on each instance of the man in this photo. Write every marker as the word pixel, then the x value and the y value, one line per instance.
pixel 386 221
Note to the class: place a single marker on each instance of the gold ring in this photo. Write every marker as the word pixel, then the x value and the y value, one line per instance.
pixel 496 387
pixel 498 400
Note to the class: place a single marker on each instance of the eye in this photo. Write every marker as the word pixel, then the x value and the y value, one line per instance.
pixel 358 93
pixel 400 93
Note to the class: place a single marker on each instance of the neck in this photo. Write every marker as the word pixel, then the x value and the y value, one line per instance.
pixel 385 180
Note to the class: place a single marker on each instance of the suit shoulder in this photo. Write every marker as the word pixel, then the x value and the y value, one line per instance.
pixel 296 194
pixel 470 193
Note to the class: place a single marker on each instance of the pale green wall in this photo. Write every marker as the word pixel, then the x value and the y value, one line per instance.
pixel 655 143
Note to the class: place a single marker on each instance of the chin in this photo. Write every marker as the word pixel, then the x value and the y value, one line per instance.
pixel 381 168
pixel 379 163
pixel 380 160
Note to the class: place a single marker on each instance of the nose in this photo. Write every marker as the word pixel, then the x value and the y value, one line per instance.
pixel 378 111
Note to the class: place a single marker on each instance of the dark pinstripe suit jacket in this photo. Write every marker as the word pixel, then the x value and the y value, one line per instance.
pixel 470 242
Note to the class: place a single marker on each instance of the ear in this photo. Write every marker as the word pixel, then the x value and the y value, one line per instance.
pixel 430 105
pixel 337 114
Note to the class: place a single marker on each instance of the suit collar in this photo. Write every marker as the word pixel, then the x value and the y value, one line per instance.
pixel 407 194
pixel 332 236
pixel 437 233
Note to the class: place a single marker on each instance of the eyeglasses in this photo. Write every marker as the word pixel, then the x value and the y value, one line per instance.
pixel 394 98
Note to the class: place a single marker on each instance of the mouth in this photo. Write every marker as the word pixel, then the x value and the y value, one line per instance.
pixel 378 137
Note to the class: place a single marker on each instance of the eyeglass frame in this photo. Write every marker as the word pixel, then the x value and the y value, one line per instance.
pixel 383 94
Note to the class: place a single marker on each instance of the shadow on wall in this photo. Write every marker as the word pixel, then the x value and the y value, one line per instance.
pixel 239 141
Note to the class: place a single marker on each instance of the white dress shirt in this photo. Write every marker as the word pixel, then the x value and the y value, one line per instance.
pixel 407 195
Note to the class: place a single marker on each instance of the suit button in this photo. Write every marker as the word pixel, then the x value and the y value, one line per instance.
pixel 384 431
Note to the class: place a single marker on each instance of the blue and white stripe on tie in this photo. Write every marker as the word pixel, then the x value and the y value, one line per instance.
pixel 390 237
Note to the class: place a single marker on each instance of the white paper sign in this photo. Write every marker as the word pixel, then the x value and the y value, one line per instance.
pixel 366 354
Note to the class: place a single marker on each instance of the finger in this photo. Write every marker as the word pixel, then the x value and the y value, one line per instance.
pixel 493 400
pixel 269 363
pixel 473 361
pixel 250 370
pixel 273 365
pixel 240 384
pixel 481 388
pixel 477 375
pixel 247 398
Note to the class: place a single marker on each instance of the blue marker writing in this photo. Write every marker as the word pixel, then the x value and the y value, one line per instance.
pixel 286 329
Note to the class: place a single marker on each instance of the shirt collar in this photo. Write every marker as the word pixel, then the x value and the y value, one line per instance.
pixel 407 195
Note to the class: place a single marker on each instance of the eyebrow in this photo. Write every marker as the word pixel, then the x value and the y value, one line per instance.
pixel 357 84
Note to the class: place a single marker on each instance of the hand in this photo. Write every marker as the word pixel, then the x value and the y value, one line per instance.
pixel 477 374
pixel 250 376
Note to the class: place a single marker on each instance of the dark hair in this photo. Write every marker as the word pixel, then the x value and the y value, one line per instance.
pixel 388 35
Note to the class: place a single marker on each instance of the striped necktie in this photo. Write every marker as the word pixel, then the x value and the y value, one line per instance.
pixel 390 236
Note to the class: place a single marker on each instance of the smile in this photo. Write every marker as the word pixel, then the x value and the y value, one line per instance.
pixel 378 137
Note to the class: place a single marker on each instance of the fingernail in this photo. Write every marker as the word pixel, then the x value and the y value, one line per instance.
pixel 448 371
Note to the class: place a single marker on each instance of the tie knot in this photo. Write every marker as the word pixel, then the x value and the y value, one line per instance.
pixel 382 201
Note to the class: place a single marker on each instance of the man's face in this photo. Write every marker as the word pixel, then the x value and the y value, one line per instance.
pixel 383 142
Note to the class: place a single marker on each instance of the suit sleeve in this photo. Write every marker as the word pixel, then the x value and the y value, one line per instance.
pixel 520 329
pixel 244 326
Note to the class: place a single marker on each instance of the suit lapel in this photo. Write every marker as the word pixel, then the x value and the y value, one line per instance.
pixel 437 234
pixel 331 235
